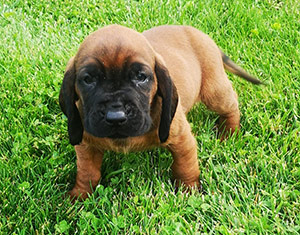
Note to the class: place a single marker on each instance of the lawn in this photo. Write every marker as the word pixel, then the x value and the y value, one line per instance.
pixel 251 183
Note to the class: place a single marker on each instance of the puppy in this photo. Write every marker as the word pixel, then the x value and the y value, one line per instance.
pixel 128 91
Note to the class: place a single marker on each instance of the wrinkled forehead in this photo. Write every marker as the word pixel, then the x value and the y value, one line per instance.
pixel 116 46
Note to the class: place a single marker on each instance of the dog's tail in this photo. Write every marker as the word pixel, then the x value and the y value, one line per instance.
pixel 237 70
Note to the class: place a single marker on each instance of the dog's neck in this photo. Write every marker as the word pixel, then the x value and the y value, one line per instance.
pixel 138 143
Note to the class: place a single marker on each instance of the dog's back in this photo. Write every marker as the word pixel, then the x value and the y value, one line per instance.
pixel 190 57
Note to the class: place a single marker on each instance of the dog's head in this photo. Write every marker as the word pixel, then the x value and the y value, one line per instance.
pixel 112 84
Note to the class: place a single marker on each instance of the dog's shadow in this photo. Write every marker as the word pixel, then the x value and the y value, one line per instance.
pixel 123 170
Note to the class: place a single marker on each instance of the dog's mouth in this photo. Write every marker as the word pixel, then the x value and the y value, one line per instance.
pixel 135 124
pixel 118 132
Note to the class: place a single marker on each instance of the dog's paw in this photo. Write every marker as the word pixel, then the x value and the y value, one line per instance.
pixel 228 125
pixel 77 194
pixel 188 187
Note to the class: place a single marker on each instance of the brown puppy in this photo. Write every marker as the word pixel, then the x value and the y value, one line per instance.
pixel 127 91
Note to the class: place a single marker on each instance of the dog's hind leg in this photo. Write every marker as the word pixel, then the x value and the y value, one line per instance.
pixel 218 95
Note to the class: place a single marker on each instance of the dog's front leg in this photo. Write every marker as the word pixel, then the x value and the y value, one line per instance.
pixel 89 162
pixel 185 165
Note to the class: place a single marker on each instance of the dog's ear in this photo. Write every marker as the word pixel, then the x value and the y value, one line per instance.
pixel 67 99
pixel 168 92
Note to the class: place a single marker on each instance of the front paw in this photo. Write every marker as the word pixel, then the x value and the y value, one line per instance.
pixel 78 194
pixel 188 187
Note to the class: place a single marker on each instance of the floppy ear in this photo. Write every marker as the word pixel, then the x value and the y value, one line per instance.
pixel 168 92
pixel 67 99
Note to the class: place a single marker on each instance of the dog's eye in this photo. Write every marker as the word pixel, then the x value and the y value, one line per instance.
pixel 141 77
pixel 88 79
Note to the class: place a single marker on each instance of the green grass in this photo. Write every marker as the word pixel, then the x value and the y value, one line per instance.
pixel 251 183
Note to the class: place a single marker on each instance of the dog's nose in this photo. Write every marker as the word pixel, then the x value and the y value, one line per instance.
pixel 116 117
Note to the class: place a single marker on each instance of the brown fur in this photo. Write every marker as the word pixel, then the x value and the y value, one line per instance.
pixel 195 65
